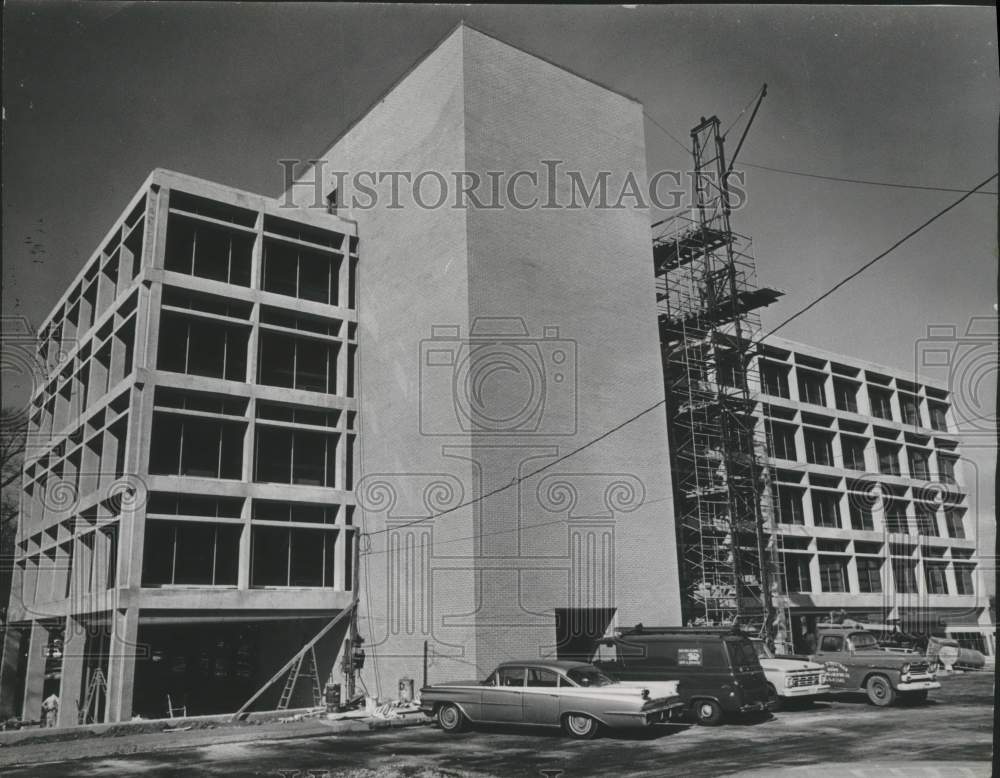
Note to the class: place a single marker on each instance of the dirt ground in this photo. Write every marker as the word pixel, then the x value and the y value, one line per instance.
pixel 951 735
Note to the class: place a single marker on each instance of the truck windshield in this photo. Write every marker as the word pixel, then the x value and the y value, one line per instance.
pixel 588 676
pixel 763 652
pixel 743 653
pixel 863 640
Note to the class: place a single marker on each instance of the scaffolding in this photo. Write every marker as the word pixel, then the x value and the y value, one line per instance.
pixel 708 298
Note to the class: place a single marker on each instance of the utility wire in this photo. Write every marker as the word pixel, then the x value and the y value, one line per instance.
pixel 821 177
pixel 860 180
pixel 519 479
pixel 888 251
pixel 668 132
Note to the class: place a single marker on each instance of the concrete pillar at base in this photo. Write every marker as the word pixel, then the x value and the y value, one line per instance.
pixel 70 689
pixel 121 664
pixel 14 638
pixel 34 673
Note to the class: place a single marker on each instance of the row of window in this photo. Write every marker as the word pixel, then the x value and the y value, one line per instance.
pixel 199 248
pixel 213 448
pixel 191 553
pixel 833 575
pixel 787 501
pixel 196 346
pixel 819 451
pixel 812 389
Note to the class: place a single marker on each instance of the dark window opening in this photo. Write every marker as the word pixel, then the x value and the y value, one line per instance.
pixel 938 416
pixel 819 447
pixel 956 524
pixel 909 408
pixel 854 452
pixel 298 363
pixel 888 458
pixel 296 271
pixel 936 577
pixel 186 553
pixel 869 575
pixel 292 557
pixel 905 573
pixel 797 577
pixel 881 403
pixel 782 439
pixel 811 387
pixel 208 251
pixel 845 395
pixel 833 574
pixel 196 446
pixel 826 509
pixel 199 347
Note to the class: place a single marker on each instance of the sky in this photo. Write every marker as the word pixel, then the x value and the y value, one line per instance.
pixel 96 95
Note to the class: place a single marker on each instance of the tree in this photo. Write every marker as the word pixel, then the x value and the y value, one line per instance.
pixel 13 433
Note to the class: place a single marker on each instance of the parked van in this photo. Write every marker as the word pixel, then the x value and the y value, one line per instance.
pixel 718 669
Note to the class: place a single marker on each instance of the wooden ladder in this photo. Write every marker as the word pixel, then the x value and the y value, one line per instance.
pixel 311 671
pixel 96 687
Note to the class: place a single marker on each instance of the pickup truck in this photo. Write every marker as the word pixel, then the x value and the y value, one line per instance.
pixel 790 677
pixel 855 662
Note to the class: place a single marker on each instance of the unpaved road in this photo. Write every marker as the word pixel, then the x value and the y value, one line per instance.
pixel 951 735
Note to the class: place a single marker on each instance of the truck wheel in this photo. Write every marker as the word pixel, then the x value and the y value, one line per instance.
pixel 579 726
pixel 774 702
pixel 450 718
pixel 708 712
pixel 880 691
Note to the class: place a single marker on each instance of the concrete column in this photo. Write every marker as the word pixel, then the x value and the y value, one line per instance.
pixel 121 664
pixel 871 456
pixel 807 508
pixel 132 528
pixel 853 585
pixel 844 507
pixel 814 584
pixel 13 638
pixel 156 227
pixel 34 672
pixel 828 395
pixel 71 688
pixel 243 566
pixel 800 443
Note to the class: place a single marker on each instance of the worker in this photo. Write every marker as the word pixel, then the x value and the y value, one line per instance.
pixel 50 710
pixel 809 642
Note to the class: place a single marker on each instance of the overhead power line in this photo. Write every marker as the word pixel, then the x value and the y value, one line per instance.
pixel 867 182
pixel 885 253
pixel 820 176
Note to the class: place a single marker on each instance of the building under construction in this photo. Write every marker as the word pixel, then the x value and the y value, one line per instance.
pixel 239 393
pixel 236 387
pixel 806 483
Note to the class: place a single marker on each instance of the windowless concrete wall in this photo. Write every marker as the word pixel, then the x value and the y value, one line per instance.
pixel 495 342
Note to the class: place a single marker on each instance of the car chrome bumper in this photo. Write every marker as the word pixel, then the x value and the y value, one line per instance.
pixel 913 686
pixel 804 691
pixel 660 715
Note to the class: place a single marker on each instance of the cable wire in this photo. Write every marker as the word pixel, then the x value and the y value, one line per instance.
pixel 885 253
pixel 867 182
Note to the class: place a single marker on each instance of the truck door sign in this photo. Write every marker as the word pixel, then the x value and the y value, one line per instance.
pixel 836 673
pixel 689 656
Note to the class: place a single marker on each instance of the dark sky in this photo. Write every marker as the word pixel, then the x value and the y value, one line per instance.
pixel 98 94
